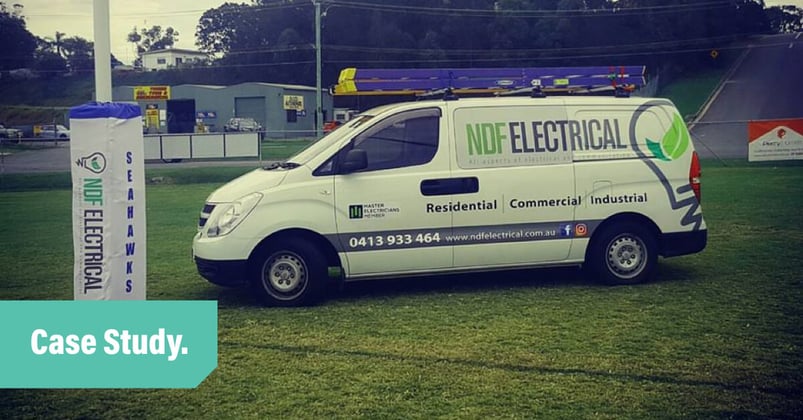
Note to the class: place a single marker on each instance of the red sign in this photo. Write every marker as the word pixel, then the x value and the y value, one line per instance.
pixel 775 140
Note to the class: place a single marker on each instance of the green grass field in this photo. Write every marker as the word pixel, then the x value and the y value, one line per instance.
pixel 690 93
pixel 282 149
pixel 717 334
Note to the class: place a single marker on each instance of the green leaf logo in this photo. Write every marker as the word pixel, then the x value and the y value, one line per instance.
pixel 95 164
pixel 674 143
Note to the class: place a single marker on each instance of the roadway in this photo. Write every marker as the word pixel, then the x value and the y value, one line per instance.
pixel 766 83
pixel 50 159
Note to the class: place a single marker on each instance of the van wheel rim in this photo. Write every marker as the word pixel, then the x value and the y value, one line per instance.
pixel 285 276
pixel 626 256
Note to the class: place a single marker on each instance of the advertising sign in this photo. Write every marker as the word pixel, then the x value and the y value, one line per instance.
pixel 152 116
pixel 108 178
pixel 775 140
pixel 293 102
pixel 107 344
pixel 151 93
pixel 206 114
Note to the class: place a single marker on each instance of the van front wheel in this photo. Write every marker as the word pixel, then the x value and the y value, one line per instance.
pixel 290 274
pixel 623 254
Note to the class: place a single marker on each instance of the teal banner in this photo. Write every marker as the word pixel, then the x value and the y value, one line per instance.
pixel 107 344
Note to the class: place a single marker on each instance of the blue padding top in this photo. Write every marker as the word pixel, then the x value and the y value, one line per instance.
pixel 121 110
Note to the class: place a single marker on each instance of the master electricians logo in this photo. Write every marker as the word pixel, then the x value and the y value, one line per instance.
pixel 355 212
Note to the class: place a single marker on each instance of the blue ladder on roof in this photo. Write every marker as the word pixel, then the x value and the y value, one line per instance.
pixel 353 81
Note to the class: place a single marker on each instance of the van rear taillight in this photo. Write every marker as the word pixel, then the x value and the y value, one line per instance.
pixel 694 176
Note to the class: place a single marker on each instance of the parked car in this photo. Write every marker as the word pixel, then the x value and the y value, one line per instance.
pixel 51 131
pixel 9 133
pixel 242 124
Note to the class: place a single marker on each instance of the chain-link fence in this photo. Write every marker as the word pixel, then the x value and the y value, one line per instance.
pixel 720 139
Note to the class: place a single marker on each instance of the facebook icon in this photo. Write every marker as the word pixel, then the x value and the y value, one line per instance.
pixel 566 230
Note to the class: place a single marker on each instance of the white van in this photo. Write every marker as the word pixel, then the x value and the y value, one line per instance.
pixel 463 185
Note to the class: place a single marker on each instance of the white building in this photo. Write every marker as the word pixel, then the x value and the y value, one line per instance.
pixel 170 58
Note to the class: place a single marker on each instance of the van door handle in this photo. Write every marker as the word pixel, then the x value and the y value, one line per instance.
pixel 449 186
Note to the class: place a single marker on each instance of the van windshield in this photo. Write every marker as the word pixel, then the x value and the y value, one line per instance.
pixel 306 154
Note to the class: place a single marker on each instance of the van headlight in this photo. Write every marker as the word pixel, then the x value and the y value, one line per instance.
pixel 227 216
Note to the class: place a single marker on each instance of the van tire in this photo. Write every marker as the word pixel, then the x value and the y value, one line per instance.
pixel 289 273
pixel 623 253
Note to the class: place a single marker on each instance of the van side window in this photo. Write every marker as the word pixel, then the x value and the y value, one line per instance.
pixel 406 139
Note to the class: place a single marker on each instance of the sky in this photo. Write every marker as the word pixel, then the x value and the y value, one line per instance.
pixel 74 17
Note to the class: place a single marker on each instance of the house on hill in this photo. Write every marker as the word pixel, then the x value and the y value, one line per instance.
pixel 170 58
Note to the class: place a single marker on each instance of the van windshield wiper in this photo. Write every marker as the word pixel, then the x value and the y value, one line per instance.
pixel 282 165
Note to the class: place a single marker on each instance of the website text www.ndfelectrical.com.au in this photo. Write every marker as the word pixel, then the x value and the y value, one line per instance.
pixel 458 236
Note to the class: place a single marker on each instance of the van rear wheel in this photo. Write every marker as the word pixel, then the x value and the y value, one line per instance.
pixel 624 253
pixel 292 273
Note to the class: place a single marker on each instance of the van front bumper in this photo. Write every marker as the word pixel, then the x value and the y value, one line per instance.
pixel 223 273
pixel 683 243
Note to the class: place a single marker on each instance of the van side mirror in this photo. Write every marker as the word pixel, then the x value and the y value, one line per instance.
pixel 355 160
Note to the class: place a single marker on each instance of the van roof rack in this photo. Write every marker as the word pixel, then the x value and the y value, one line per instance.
pixel 499 81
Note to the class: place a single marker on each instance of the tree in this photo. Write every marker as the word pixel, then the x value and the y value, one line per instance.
pixel 58 42
pixel 785 19
pixel 49 65
pixel 19 44
pixel 152 39
pixel 114 61
pixel 217 29
pixel 80 54
pixel 61 55
pixel 272 39
pixel 54 44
